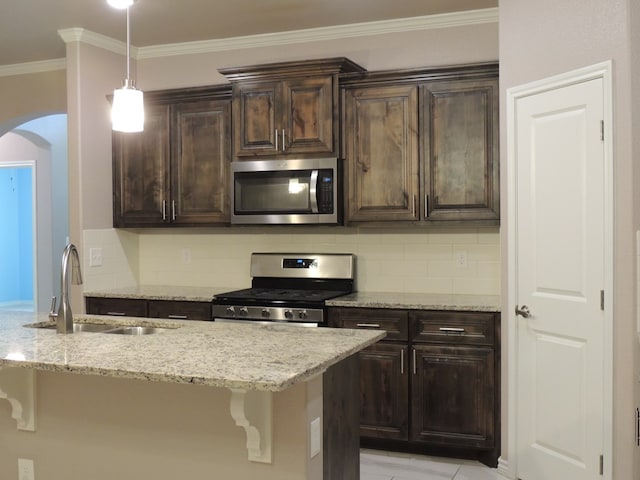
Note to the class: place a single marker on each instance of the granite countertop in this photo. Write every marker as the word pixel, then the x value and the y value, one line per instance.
pixel 161 292
pixel 419 301
pixel 245 356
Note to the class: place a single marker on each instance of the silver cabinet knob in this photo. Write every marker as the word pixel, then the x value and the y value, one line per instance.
pixel 523 312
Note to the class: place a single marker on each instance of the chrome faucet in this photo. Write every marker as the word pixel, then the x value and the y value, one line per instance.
pixel 64 317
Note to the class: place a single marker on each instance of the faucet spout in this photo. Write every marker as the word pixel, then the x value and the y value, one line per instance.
pixel 64 318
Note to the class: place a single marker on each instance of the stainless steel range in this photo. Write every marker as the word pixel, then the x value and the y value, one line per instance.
pixel 288 287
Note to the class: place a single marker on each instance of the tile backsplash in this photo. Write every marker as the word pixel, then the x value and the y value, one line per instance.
pixel 463 261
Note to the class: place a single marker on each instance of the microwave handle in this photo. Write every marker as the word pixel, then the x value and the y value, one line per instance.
pixel 313 187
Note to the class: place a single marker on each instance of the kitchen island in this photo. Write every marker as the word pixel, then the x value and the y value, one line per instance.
pixel 195 400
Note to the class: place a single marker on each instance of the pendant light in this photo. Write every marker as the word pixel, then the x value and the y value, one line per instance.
pixel 127 110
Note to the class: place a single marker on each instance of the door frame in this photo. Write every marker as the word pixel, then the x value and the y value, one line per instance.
pixel 509 467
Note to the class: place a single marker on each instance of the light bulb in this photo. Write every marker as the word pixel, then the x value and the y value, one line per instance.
pixel 121 4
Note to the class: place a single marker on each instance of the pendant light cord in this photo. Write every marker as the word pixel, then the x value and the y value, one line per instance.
pixel 128 46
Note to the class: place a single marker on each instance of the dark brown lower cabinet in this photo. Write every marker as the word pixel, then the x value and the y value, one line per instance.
pixel 432 385
pixel 384 391
pixel 453 396
pixel 139 307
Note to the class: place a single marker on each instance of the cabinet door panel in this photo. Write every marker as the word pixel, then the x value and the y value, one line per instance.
pixel 308 115
pixel 453 398
pixel 384 391
pixel 200 162
pixel 256 118
pixel 141 171
pixel 382 153
pixel 461 150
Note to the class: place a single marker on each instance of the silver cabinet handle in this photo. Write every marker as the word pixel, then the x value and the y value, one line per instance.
pixel 415 368
pixel 173 209
pixel 402 362
pixel 523 312
pixel 284 141
pixel 118 314
pixel 164 210
pixel 276 139
pixel 368 325
pixel 178 317
pixel 452 330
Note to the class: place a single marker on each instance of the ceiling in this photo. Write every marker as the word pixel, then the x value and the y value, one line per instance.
pixel 28 28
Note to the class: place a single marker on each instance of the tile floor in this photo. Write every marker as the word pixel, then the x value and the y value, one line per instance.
pixel 379 465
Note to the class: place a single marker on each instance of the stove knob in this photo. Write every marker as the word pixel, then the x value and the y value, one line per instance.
pixel 302 314
pixel 244 311
pixel 266 313
pixel 231 311
pixel 288 314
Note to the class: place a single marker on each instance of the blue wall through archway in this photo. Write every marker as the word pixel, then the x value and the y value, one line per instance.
pixel 16 240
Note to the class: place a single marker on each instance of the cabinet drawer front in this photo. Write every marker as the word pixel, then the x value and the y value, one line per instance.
pixel 453 328
pixel 394 322
pixel 121 307
pixel 179 310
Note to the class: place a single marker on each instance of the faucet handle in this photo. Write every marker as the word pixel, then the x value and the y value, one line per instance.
pixel 52 312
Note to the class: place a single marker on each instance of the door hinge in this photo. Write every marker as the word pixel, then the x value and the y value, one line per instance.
pixel 601 464
pixel 602 130
pixel 637 427
pixel 602 300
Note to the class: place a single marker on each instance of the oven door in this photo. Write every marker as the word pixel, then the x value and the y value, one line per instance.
pixel 284 192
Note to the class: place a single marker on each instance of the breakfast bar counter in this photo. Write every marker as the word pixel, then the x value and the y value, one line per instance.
pixel 169 404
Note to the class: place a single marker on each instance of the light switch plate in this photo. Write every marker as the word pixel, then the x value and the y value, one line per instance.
pixel 95 257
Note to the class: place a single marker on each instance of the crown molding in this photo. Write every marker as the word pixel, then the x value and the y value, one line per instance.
pixel 428 22
pixel 70 35
pixel 33 67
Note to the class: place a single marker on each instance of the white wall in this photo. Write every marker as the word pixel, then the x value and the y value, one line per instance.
pixel 549 37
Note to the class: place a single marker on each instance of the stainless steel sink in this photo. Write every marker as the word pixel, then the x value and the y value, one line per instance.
pixel 80 327
pixel 135 330
pixel 102 328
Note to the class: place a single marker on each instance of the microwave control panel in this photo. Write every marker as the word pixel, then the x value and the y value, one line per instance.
pixel 325 191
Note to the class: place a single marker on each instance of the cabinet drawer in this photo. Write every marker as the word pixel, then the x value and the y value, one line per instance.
pixel 121 307
pixel 180 310
pixel 394 322
pixel 464 328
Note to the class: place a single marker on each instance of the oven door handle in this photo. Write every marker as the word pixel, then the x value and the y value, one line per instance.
pixel 313 188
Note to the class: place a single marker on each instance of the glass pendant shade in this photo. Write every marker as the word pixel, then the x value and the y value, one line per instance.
pixel 127 110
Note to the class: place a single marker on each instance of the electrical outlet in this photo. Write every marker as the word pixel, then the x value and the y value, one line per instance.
pixel 25 469
pixel 461 259
pixel 186 255
pixel 95 257
pixel 315 438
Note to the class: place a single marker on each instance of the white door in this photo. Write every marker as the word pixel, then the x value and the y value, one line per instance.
pixel 559 275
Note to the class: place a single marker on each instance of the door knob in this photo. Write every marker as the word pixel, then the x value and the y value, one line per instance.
pixel 524 311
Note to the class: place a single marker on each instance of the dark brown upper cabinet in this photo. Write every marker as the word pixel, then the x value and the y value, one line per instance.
pixel 287 108
pixel 421 146
pixel 175 172
pixel 381 148
pixel 460 147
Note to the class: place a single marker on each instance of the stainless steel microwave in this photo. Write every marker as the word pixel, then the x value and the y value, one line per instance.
pixel 286 192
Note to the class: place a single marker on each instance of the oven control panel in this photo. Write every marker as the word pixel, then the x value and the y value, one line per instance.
pixel 299 263
pixel 274 314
